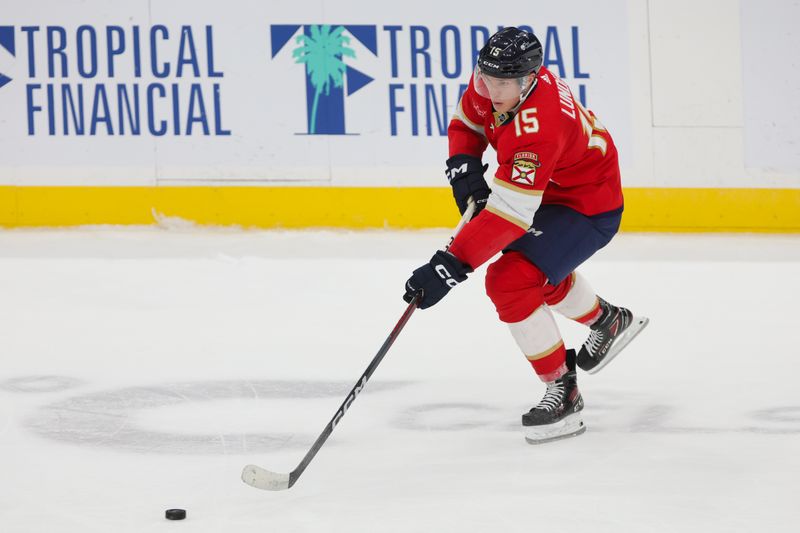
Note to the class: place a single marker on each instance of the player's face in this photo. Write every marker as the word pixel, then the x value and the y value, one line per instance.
pixel 503 92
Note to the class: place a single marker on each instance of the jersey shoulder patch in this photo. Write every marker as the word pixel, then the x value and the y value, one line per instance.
pixel 524 168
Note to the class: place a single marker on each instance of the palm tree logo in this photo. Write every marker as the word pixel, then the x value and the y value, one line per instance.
pixel 322 52
pixel 7 44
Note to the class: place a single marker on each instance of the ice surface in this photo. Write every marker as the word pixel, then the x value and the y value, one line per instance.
pixel 141 369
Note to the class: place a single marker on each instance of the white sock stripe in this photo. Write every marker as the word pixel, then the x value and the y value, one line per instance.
pixel 579 301
pixel 537 333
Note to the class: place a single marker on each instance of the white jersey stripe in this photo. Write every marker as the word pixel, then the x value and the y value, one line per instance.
pixel 516 205
pixel 521 223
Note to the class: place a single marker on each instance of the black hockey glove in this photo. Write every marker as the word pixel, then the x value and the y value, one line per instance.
pixel 465 173
pixel 435 279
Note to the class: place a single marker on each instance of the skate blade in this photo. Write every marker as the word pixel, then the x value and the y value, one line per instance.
pixel 636 327
pixel 571 426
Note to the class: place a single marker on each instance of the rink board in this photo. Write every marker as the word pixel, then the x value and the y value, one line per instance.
pixel 151 96
pixel 646 209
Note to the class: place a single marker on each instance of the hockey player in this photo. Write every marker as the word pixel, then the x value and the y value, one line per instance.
pixel 555 200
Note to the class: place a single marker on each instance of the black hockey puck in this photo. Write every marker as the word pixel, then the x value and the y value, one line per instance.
pixel 175 514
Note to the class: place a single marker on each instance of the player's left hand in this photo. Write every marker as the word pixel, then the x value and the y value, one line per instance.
pixel 435 279
pixel 465 173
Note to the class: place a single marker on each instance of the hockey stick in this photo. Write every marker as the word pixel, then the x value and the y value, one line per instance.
pixel 261 478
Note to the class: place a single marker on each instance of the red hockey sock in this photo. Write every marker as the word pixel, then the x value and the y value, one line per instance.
pixel 551 366
pixel 591 317
pixel 515 285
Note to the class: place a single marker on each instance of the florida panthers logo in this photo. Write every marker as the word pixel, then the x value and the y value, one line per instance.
pixel 525 165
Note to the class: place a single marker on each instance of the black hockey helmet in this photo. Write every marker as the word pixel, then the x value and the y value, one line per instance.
pixel 511 53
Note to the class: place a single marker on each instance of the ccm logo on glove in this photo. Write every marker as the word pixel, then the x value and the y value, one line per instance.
pixel 445 275
pixel 435 279
pixel 455 171
pixel 465 174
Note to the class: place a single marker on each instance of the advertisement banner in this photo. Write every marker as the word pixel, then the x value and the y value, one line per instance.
pixel 307 92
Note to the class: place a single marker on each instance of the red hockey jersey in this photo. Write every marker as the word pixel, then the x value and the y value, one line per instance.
pixel 553 151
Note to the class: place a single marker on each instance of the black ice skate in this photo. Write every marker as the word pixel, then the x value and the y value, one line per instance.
pixel 558 415
pixel 615 328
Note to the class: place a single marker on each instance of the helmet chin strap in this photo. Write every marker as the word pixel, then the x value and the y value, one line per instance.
pixel 526 94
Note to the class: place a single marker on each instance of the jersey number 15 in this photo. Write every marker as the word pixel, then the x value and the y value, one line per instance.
pixel 529 122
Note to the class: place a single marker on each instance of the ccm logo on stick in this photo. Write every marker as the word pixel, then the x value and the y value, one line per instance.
pixel 349 401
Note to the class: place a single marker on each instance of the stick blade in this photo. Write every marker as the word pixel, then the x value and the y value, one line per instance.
pixel 260 478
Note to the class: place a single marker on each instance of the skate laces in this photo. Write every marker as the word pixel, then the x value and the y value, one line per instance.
pixel 553 396
pixel 594 341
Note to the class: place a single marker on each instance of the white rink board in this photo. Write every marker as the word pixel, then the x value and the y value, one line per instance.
pixel 771 112
pixel 684 86
pixel 222 97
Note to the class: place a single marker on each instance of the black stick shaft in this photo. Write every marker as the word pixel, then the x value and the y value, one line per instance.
pixel 362 381
pixel 359 386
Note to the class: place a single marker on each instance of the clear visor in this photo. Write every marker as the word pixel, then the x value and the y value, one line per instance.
pixel 499 89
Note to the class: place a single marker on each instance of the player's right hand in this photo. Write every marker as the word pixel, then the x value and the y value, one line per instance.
pixel 435 278
pixel 465 173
